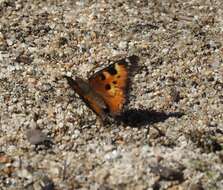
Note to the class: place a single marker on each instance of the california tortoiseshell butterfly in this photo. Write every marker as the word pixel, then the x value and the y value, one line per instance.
pixel 105 91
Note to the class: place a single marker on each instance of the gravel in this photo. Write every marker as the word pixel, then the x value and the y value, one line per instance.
pixel 172 123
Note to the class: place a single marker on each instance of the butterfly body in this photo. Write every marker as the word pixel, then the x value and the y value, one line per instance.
pixel 105 91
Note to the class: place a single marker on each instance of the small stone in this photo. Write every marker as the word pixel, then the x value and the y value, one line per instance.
pixel 24 173
pixel 45 87
pixel 8 170
pixel 9 42
pixel 101 176
pixel 47 183
pixel 175 95
pixel 36 136
pixel 167 173
pixel 76 134
pixel 113 155
pixel 62 41
pixel 197 186
pixel 108 148
pixel 123 45
pixel 32 81
pixel 4 158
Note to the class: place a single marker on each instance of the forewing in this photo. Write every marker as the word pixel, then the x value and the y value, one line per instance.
pixel 111 84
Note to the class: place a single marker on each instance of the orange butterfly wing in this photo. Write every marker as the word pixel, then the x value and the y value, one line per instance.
pixel 111 83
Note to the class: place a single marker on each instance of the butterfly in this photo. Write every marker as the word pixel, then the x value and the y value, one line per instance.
pixel 105 92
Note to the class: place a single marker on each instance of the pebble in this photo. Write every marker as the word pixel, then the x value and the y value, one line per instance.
pixel 36 136
pixel 23 173
pixel 180 70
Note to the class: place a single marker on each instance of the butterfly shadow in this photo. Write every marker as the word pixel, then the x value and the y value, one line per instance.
pixel 138 118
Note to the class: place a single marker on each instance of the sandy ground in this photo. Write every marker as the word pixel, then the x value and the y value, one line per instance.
pixel 171 135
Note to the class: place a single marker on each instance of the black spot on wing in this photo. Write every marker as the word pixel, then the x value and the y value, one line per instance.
pixel 102 76
pixel 107 87
pixel 112 70
pixel 114 82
